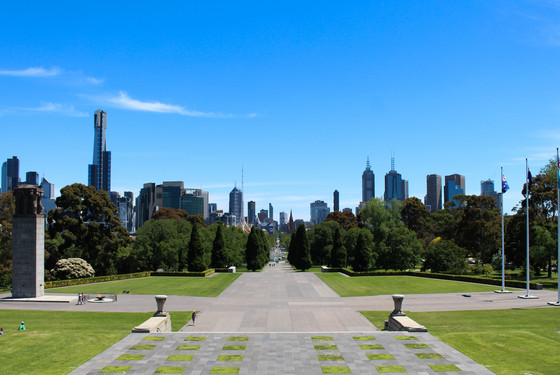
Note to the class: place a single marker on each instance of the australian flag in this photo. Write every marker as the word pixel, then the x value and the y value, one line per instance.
pixel 505 186
pixel 529 180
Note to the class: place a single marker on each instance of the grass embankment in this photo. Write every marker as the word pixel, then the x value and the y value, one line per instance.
pixel 169 285
pixel 378 285
pixel 507 342
pixel 56 342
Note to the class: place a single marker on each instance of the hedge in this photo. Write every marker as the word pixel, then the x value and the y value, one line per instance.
pixel 465 278
pixel 96 279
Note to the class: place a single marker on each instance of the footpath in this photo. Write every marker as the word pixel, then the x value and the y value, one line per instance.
pixel 278 322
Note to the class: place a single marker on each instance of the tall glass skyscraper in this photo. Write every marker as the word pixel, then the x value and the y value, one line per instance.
pixel 236 204
pixel 368 183
pixel 10 174
pixel 99 172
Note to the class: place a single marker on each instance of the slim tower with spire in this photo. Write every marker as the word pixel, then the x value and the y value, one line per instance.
pixel 368 183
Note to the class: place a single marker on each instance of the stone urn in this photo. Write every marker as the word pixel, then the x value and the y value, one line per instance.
pixel 398 300
pixel 160 300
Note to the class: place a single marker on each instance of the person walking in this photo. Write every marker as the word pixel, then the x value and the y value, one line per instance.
pixel 193 317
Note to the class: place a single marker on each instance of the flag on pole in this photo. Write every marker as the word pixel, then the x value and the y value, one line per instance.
pixel 505 186
pixel 558 163
pixel 530 181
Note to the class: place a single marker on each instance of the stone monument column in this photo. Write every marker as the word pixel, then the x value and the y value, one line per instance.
pixel 28 243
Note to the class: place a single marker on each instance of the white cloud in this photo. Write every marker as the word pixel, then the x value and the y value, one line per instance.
pixel 40 72
pixel 62 109
pixel 32 72
pixel 124 101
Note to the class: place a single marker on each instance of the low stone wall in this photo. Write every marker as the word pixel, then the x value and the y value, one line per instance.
pixel 404 323
pixel 154 324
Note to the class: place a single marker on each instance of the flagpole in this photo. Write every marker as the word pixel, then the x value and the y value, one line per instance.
pixel 527 296
pixel 557 303
pixel 503 247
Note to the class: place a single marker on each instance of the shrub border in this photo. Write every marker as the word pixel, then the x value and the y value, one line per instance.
pixel 98 279
pixel 464 278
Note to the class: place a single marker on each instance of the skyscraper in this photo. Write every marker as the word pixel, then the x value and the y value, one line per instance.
pixel 319 211
pixel 270 212
pixel 10 174
pixel 99 172
pixel 236 204
pixel 433 192
pixel 251 212
pixel 336 206
pixel 145 204
pixel 454 185
pixel 368 183
pixel 487 188
pixel 283 221
pixel 32 178
pixel 395 186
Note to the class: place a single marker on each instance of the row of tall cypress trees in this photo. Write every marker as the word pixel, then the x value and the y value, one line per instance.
pixel 256 253
pixel 299 254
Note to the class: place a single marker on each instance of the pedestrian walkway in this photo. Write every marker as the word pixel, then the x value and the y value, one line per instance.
pixel 282 354
pixel 280 322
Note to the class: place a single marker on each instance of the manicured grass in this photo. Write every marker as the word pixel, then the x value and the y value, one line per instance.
pixel 371 346
pixel 429 356
pixel 130 357
pixel 169 285
pixel 230 358
pixel 43 347
pixel 364 338
pixel 170 370
pixel 406 337
pixel 380 285
pixel 336 370
pixel 326 347
pixel 444 368
pixel 321 338
pixel 180 357
pixel 115 369
pixel 385 369
pixel 188 347
pixel 379 357
pixel 330 357
pixel 153 338
pixel 195 338
pixel 225 370
pixel 515 341
pixel 238 338
pixel 142 347
pixel 233 347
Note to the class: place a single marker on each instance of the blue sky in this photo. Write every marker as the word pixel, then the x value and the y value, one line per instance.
pixel 298 93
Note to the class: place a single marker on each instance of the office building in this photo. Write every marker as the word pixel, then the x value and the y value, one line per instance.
pixel 368 183
pixel 192 201
pixel 236 204
pixel 270 212
pixel 283 221
pixel 262 216
pixel 10 174
pixel 319 211
pixel 99 172
pixel 251 212
pixel 336 201
pixel 454 185
pixel 487 188
pixel 433 193
pixel 32 178
pixel 395 186
pixel 125 210
pixel 146 204
pixel 47 200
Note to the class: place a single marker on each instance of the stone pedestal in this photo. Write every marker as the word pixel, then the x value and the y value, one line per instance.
pixel 160 300
pixel 28 244
pixel 398 300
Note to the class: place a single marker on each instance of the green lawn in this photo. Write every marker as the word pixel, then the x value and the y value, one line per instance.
pixel 507 342
pixel 378 285
pixel 56 342
pixel 169 285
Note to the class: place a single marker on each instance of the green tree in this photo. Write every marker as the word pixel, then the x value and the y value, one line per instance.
pixel 252 250
pixel 321 241
pixel 195 255
pixel 170 213
pixel 445 257
pixel 292 249
pixel 302 259
pixel 88 224
pixel 416 217
pixel 399 251
pixel 362 254
pixel 220 257
pixel 338 256
pixel 346 219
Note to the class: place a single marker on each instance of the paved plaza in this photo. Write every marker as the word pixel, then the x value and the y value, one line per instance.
pixel 283 322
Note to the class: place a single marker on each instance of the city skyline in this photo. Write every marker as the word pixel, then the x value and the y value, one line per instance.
pixel 195 91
